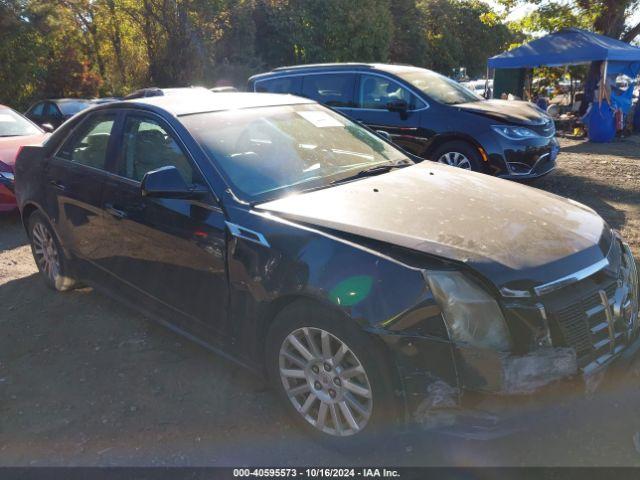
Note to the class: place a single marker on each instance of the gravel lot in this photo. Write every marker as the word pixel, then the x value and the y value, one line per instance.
pixel 85 381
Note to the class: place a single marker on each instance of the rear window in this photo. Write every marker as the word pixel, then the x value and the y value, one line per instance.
pixel 334 90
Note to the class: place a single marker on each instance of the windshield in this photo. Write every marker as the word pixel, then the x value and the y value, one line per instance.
pixel 14 125
pixel 269 151
pixel 439 88
pixel 73 107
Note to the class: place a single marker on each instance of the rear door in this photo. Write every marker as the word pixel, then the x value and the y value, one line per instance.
pixel 171 251
pixel 376 96
pixel 74 178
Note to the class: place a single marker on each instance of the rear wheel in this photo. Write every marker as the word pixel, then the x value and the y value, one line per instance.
pixel 329 376
pixel 459 154
pixel 48 254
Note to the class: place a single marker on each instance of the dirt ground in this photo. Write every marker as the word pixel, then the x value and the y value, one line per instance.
pixel 85 381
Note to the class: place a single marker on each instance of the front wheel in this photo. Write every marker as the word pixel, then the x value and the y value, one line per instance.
pixel 459 154
pixel 48 254
pixel 329 376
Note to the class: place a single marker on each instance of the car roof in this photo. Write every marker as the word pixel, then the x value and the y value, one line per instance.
pixel 202 101
pixel 319 67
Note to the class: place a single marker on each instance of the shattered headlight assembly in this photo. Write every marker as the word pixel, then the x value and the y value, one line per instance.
pixel 472 316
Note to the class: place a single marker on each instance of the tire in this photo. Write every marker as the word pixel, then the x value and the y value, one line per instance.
pixel 48 254
pixel 459 154
pixel 362 369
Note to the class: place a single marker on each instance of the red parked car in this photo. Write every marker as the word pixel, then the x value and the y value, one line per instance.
pixel 15 132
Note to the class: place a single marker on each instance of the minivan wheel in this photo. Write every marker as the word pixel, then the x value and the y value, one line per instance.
pixel 329 376
pixel 458 154
pixel 48 254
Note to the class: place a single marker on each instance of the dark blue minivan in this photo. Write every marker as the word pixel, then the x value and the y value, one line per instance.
pixel 429 115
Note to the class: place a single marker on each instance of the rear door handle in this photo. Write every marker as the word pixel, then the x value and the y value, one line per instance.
pixel 115 212
pixel 58 185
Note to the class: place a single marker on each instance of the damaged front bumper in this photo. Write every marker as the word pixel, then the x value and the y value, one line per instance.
pixel 494 391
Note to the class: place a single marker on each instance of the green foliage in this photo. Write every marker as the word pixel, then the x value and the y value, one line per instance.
pixel 110 47
pixel 614 18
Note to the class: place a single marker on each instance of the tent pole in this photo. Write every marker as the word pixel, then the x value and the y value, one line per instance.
pixel 486 84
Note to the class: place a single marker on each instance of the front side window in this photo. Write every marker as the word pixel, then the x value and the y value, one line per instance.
pixel 267 152
pixel 279 85
pixel 37 110
pixel 88 144
pixel 335 89
pixel 14 125
pixel 148 146
pixel 51 110
pixel 438 87
pixel 379 92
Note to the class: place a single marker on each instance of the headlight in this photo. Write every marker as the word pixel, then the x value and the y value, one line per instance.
pixel 514 133
pixel 471 314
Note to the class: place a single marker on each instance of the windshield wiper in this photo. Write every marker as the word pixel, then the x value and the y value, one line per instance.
pixel 373 170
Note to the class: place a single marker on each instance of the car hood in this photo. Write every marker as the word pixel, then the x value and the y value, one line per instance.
pixel 515 236
pixel 9 146
pixel 507 111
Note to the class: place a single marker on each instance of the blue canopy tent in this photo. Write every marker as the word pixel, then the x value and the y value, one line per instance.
pixel 573 46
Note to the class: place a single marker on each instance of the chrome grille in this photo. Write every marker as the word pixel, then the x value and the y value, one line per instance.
pixel 580 322
pixel 587 315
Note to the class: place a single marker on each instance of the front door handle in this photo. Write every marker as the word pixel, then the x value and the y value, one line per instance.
pixel 58 185
pixel 115 212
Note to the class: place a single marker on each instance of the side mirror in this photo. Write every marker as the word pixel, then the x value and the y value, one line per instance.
pixel 384 135
pixel 166 182
pixel 47 127
pixel 400 106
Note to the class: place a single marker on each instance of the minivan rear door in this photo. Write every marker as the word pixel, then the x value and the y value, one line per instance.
pixel 382 103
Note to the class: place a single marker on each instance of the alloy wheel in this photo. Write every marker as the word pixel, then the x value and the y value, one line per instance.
pixel 46 252
pixel 455 159
pixel 325 381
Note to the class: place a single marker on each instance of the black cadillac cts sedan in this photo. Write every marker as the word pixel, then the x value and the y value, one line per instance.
pixel 372 291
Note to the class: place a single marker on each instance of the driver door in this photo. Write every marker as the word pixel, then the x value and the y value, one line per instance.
pixel 374 95
pixel 168 251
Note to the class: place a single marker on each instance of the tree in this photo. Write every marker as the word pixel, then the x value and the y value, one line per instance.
pixel 608 17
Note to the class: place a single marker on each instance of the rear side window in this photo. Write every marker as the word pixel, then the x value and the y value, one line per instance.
pixel 279 85
pixel 334 90
pixel 89 142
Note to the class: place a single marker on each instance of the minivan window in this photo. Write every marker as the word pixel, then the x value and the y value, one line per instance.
pixel 377 92
pixel 279 85
pixel 438 87
pixel 333 89
pixel 88 144
pixel 266 152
